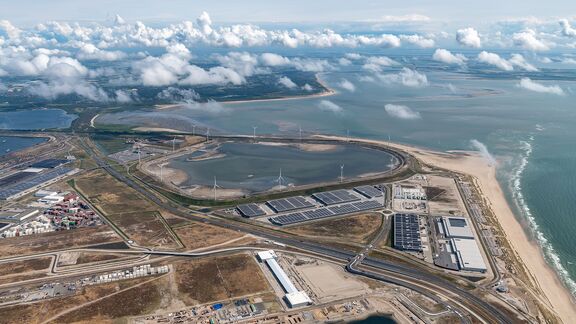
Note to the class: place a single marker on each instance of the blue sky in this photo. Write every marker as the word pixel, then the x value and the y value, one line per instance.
pixel 32 11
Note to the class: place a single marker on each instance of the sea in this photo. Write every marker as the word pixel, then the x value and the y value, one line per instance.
pixel 530 134
pixel 9 144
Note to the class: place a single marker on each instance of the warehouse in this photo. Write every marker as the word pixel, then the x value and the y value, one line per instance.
pixel 468 254
pixel 456 227
pixel 293 297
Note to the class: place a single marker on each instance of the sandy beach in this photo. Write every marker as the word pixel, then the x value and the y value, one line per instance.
pixel 473 164
pixel 327 92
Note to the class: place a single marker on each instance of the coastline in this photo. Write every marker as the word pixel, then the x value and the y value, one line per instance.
pixel 558 297
pixel 327 92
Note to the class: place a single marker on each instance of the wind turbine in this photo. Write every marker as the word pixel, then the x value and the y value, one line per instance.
pixel 341 173
pixel 254 133
pixel 173 144
pixel 300 132
pixel 347 135
pixel 280 178
pixel 193 130
pixel 207 134
pixel 216 186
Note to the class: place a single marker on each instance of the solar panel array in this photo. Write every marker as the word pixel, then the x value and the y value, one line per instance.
pixel 30 182
pixel 250 210
pixel 324 212
pixel 407 232
pixel 335 197
pixel 369 191
pixel 288 204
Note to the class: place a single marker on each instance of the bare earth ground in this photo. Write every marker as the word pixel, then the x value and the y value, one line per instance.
pixel 133 214
pixel 206 280
pixel 329 282
pixel 443 196
pixel 52 241
pixel 24 266
pixel 199 235
pixel 356 228
pixel 529 252
pixel 44 310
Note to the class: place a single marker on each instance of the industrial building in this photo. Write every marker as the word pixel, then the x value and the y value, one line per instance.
pixel 407 232
pixel 293 297
pixel 23 182
pixel 409 192
pixel 468 254
pixel 456 227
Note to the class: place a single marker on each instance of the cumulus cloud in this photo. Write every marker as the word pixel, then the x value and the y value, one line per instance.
pixel 401 112
pixel 506 65
pixel 418 40
pixel 272 59
pixel 286 82
pixel 307 87
pixel 376 63
pixel 567 29
pixel 8 29
pixel 126 96
pixel 479 146
pixel 406 77
pixel 210 107
pixel 347 85
pixel 329 106
pixel 91 52
pixel 445 56
pixel 519 61
pixel 527 40
pixel 528 84
pixel 468 37
pixel 496 60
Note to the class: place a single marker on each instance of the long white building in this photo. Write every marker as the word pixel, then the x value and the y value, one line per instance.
pixel 293 297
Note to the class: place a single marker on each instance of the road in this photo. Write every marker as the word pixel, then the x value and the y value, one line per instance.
pixel 387 271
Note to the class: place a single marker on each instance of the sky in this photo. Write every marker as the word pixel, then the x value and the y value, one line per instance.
pixel 32 11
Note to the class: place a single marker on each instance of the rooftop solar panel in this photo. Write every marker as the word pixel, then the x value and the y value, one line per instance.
pixel 250 210
pixel 369 191
pixel 335 197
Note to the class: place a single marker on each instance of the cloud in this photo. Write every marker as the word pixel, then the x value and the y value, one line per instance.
pixel 329 106
pixel 307 87
pixel 418 40
pixel 527 40
pixel 479 146
pixel 567 29
pixel 506 65
pixel 271 59
pixel 468 37
pixel 519 61
pixel 528 84
pixel 401 112
pixel 286 82
pixel 375 63
pixel 496 60
pixel 211 107
pixel 8 29
pixel 406 77
pixel 125 96
pixel 173 94
pixel 91 52
pixel 445 56
pixel 347 85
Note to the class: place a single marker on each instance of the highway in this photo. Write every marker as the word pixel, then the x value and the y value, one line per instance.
pixel 387 271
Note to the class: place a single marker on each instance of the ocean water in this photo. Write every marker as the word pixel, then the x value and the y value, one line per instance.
pixel 256 167
pixel 9 144
pixel 35 119
pixel 531 134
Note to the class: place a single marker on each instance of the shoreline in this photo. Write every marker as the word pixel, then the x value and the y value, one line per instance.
pixel 529 252
pixel 326 93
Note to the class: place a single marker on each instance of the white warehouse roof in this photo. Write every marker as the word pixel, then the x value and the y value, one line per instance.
pixel 286 283
pixel 469 255
pixel 297 299
pixel 265 255
pixel 457 227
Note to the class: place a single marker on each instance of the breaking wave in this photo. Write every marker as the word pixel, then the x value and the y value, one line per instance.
pixel 549 253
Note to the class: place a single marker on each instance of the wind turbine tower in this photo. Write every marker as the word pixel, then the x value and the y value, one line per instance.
pixel 280 179
pixel 254 133
pixel 341 173
pixel 216 186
